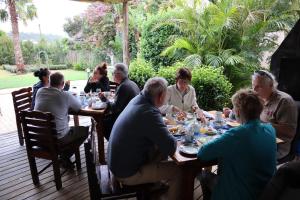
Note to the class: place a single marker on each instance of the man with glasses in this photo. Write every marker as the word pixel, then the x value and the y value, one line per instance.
pixel 126 90
pixel 279 109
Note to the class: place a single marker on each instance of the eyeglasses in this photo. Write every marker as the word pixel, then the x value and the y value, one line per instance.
pixel 263 73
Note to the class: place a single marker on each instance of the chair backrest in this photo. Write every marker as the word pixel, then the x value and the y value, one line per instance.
pixel 22 101
pixel 39 132
pixel 91 160
pixel 113 86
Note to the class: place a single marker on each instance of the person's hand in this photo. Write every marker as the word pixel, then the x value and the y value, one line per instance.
pixel 175 109
pixel 204 120
pixel 93 79
pixel 195 108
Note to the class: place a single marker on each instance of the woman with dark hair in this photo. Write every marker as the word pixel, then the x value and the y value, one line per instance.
pixel 99 80
pixel 43 75
pixel 181 97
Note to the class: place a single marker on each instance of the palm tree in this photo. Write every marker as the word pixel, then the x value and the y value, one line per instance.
pixel 205 34
pixel 228 32
pixel 21 9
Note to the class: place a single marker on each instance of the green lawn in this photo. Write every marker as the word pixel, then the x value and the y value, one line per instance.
pixel 10 80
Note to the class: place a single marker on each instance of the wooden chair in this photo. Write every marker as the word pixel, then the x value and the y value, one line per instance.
pixel 102 183
pixel 113 86
pixel 41 142
pixel 22 101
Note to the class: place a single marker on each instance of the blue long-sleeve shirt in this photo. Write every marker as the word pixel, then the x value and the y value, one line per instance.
pixel 137 132
pixel 247 160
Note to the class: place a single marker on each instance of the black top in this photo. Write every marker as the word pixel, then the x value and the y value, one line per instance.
pixel 102 84
pixel 138 131
pixel 126 91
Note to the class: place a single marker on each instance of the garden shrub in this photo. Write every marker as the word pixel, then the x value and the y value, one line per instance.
pixel 140 71
pixel 212 88
pixel 6 49
pixel 154 42
pixel 81 66
pixel 169 73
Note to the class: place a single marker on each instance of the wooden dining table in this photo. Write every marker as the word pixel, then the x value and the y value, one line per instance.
pixel 98 116
pixel 192 166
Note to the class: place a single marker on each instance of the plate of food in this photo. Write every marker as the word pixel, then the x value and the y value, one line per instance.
pixel 189 149
pixel 211 131
pixel 169 121
pixel 180 118
pixel 233 123
pixel 176 130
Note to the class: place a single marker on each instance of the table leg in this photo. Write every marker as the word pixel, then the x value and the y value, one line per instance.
pixel 76 120
pixel 100 136
pixel 190 173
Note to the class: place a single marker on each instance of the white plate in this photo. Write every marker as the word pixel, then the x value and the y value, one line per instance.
pixel 189 116
pixel 189 149
pixel 98 106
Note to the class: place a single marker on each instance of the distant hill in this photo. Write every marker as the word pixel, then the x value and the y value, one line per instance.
pixel 35 37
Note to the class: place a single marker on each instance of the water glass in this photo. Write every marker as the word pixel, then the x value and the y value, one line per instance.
pixel 218 117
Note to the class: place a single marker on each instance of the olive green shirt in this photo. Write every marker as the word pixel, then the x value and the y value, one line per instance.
pixel 281 109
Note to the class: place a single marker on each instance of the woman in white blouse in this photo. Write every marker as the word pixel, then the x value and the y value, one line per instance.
pixel 181 97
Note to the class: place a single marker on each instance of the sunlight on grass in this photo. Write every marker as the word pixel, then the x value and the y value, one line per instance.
pixel 10 80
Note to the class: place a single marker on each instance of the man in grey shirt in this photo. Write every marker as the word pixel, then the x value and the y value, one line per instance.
pixel 58 102
pixel 279 109
pixel 138 133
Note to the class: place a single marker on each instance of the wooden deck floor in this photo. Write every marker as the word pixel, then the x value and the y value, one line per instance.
pixel 16 182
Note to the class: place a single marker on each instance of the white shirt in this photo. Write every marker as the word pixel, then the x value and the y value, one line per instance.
pixel 184 101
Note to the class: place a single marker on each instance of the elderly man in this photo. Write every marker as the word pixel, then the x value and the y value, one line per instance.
pixel 138 133
pixel 58 102
pixel 279 109
pixel 126 90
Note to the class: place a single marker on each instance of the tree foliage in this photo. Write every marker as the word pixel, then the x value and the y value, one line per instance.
pixel 156 39
pixel 6 49
pixel 230 33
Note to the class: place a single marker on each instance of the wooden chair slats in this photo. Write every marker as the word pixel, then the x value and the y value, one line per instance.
pixel 102 183
pixel 42 144
pixel 22 100
pixel 40 116
pixel 41 141
pixel 22 91
pixel 25 106
pixel 37 122
pixel 43 131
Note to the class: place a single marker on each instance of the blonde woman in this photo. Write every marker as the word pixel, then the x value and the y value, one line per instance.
pixel 246 154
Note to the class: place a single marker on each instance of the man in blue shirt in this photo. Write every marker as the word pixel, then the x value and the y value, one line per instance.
pixel 138 133
pixel 246 154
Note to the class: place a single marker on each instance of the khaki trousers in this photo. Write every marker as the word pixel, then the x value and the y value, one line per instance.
pixel 161 171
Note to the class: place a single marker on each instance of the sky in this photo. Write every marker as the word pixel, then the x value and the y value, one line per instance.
pixel 52 14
